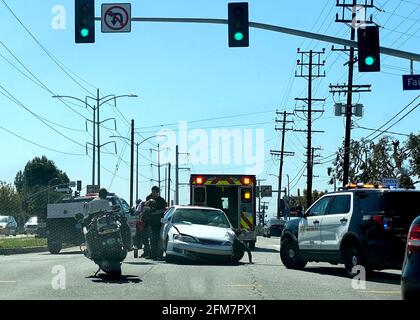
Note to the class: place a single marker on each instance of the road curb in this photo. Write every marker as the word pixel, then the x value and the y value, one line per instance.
pixel 6 252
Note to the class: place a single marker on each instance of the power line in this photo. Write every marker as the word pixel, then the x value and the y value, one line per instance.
pixel 38 81
pixel 390 120
pixel 49 54
pixel 41 146
pixel 17 102
pixel 370 129
pixel 220 127
pixel 399 120
pixel 208 119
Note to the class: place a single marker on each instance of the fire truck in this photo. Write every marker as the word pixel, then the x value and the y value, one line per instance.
pixel 234 194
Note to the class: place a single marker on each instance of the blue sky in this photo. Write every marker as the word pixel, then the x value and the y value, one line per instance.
pixel 186 72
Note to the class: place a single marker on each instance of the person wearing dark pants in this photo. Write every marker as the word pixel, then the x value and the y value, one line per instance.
pixel 157 208
pixel 240 246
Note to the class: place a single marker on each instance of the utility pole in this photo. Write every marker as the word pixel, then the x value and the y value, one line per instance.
pixel 169 184
pixel 97 144
pixel 259 200
pixel 137 171
pixel 282 153
pixel 166 181
pixel 159 180
pixel 158 154
pixel 307 72
pixel 93 146
pixel 98 138
pixel 176 175
pixel 350 88
pixel 177 168
pixel 132 164
pixel 264 204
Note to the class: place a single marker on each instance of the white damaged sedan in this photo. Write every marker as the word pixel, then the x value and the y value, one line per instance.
pixel 197 233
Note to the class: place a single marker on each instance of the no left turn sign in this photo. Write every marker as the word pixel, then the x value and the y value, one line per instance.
pixel 116 17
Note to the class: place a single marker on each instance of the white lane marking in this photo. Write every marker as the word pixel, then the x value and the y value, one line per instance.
pixel 380 292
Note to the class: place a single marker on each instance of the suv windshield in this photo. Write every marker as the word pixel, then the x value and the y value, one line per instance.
pixel 3 219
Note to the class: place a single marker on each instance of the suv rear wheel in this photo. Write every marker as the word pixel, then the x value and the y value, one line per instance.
pixel 290 255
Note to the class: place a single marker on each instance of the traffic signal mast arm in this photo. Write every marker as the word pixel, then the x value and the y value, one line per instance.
pixel 309 35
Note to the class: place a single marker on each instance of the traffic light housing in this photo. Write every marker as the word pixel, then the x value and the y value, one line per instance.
pixel 84 21
pixel 79 185
pixel 238 24
pixel 369 49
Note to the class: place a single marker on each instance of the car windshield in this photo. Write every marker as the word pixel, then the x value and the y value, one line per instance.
pixel 213 218
pixel 3 219
pixel 33 220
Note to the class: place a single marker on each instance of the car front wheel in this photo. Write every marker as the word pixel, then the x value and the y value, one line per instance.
pixel 290 255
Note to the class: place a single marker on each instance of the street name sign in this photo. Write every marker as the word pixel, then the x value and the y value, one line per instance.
pixel 411 82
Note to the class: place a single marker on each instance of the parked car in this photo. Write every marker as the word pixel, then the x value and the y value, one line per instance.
pixel 273 227
pixel 31 226
pixel 8 225
pixel 365 227
pixel 410 277
pixel 197 233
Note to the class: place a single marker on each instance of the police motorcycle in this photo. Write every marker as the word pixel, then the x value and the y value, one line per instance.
pixel 107 239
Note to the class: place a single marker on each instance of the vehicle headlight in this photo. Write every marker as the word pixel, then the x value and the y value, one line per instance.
pixel 184 238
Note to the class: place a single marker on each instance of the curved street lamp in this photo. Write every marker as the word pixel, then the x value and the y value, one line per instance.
pixel 99 102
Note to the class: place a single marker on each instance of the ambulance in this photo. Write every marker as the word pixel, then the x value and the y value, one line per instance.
pixel 234 194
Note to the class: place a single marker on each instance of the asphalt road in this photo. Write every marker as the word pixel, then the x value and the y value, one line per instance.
pixel 69 275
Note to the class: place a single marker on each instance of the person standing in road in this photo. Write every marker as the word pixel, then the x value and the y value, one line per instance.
pixel 157 208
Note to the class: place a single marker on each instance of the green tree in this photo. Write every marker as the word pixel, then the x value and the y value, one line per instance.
pixel 370 162
pixel 10 202
pixel 413 146
pixel 39 172
pixel 34 185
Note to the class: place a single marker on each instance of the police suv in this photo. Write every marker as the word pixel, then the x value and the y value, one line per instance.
pixel 362 225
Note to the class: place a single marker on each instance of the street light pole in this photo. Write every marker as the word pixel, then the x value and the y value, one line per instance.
pixel 137 171
pixel 98 138
pixel 137 157
pixel 132 164
pixel 97 123
pixel 93 147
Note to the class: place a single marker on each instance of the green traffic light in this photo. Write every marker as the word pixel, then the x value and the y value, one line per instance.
pixel 238 36
pixel 370 61
pixel 84 32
